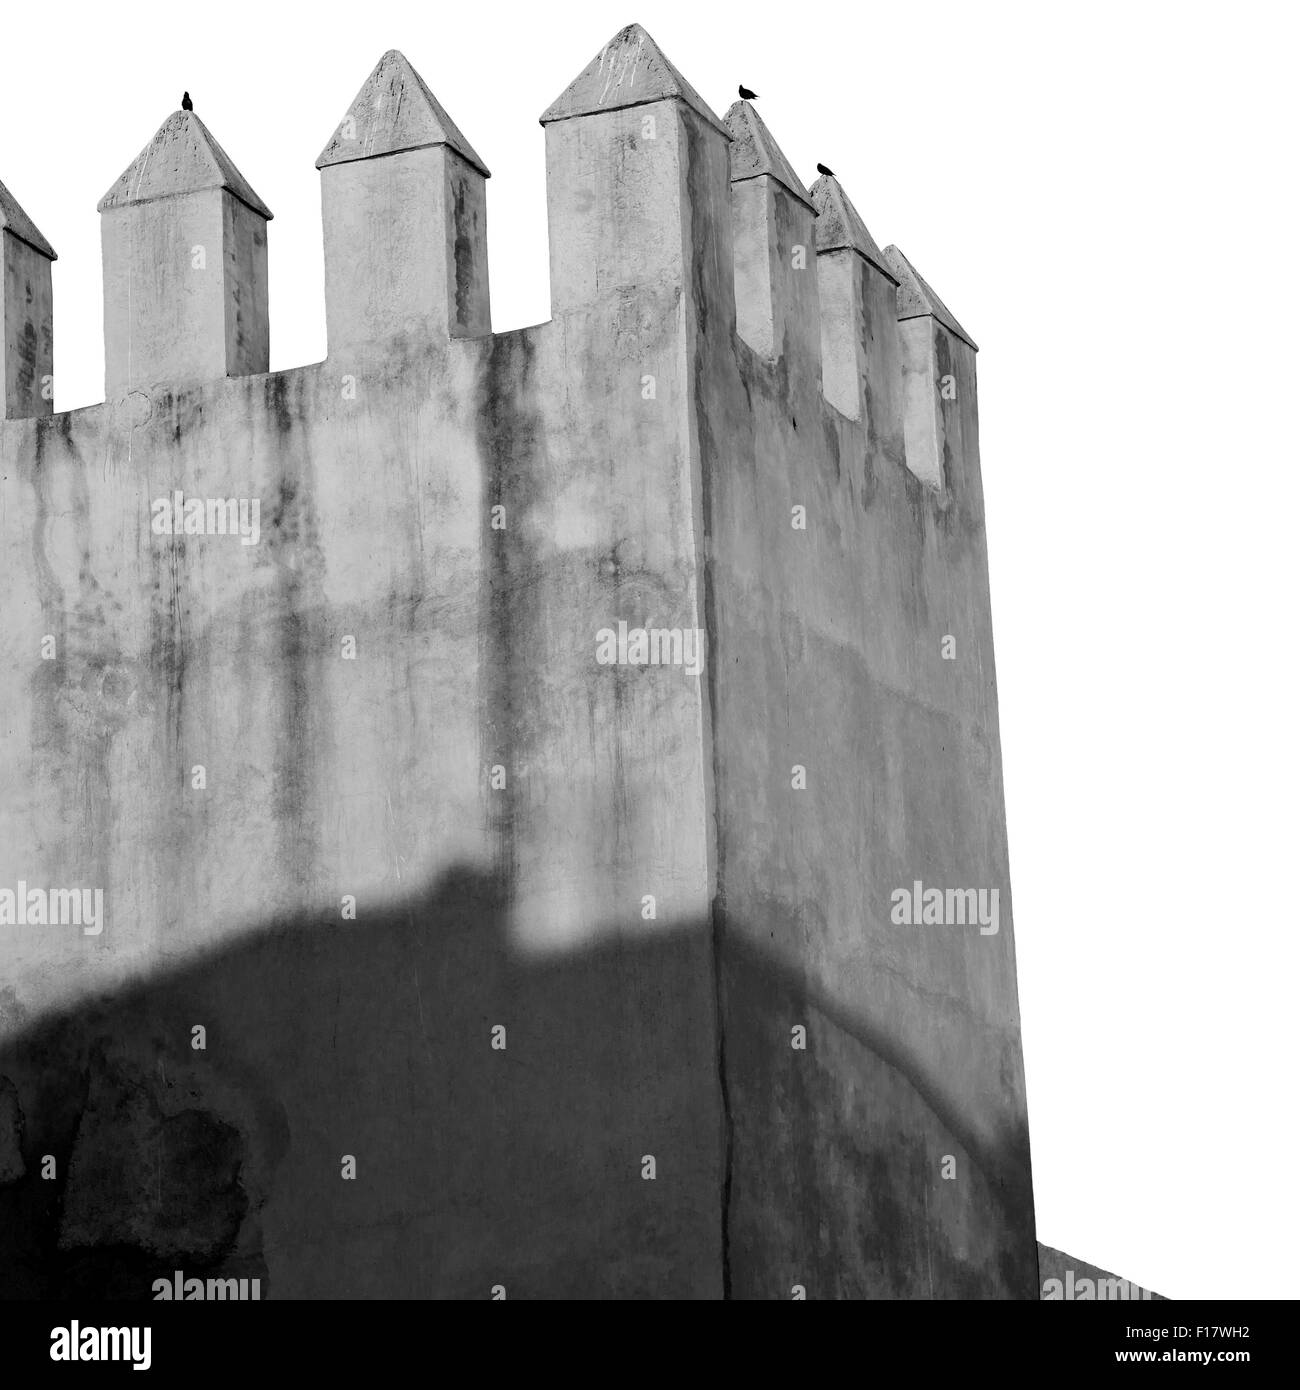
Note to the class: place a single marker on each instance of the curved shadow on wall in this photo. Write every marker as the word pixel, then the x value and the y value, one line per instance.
pixel 476 1165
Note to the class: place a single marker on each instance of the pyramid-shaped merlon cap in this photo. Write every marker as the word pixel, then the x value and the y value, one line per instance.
pixel 754 152
pixel 916 299
pixel 183 157
pixel 14 220
pixel 839 226
pixel 395 111
pixel 630 70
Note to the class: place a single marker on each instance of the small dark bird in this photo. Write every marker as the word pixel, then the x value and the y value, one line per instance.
pixel 822 169
pixel 186 103
pixel 746 94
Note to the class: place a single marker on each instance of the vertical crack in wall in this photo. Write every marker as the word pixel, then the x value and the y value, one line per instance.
pixel 718 906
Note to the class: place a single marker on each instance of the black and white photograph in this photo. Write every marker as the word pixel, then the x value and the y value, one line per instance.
pixel 674 682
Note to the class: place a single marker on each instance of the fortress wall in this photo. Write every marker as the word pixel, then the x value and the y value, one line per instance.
pixel 827 655
pixel 606 860
pixel 372 777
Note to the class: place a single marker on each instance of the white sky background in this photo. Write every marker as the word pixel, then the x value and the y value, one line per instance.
pixel 1105 197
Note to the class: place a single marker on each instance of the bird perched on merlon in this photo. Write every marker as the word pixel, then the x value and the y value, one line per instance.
pixel 186 103
pixel 822 169
pixel 746 94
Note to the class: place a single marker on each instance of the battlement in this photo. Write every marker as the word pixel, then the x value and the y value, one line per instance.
pixel 640 171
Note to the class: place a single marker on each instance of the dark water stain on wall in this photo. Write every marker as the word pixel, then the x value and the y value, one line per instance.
pixel 291 543
pixel 511 438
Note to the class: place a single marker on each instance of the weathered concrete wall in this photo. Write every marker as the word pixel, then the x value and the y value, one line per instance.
pixel 395 697
pixel 371 777
pixel 828 657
